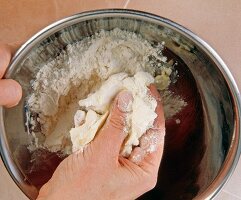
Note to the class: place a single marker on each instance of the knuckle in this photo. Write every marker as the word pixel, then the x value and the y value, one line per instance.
pixel 117 122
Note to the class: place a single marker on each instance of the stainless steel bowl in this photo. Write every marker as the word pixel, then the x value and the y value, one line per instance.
pixel 219 93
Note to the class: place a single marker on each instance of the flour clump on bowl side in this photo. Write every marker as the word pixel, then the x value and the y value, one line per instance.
pixel 72 95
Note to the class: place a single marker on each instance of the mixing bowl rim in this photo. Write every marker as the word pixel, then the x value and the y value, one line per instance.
pixel 68 21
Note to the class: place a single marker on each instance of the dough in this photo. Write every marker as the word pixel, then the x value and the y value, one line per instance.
pixel 139 119
pixel 82 135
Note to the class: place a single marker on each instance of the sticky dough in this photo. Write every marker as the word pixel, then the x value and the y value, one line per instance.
pixel 95 108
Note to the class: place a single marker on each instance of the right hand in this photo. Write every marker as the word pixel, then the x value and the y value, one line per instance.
pixel 100 172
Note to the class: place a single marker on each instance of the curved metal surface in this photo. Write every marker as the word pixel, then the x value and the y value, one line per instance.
pixel 232 156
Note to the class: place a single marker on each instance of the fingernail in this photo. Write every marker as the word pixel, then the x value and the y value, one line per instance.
pixel 144 142
pixel 150 141
pixel 124 101
pixel 137 155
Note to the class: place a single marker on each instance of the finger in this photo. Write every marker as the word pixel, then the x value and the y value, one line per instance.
pixel 152 159
pixel 149 144
pixel 5 57
pixel 10 92
pixel 113 133
pixel 160 120
pixel 137 155
pixel 152 142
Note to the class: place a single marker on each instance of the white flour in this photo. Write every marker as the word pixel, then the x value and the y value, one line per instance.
pixel 79 71
pixel 141 112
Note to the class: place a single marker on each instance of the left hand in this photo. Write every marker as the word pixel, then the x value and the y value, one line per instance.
pixel 10 90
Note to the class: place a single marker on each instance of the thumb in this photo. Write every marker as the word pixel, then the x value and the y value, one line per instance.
pixel 10 92
pixel 112 134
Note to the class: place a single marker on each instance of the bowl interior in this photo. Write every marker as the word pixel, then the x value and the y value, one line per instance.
pixel 203 146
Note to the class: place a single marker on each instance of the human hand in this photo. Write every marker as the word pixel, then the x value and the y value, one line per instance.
pixel 10 90
pixel 100 172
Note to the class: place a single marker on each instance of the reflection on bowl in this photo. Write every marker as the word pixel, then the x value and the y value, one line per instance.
pixel 200 152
